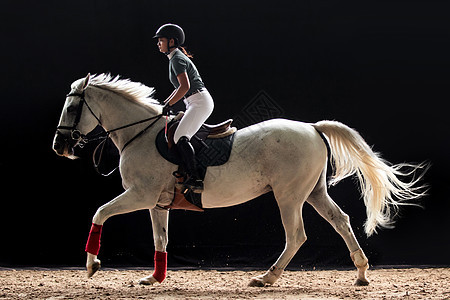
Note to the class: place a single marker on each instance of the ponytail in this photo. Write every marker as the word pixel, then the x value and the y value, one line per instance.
pixel 188 54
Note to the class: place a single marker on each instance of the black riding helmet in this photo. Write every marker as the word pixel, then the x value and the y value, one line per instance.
pixel 171 31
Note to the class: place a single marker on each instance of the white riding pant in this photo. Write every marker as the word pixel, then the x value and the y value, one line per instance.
pixel 198 108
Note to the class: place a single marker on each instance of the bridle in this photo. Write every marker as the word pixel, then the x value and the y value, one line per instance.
pixel 79 139
pixel 76 135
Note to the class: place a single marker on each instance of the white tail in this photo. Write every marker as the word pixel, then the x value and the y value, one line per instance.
pixel 381 187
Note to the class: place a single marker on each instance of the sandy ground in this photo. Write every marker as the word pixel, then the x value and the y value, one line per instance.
pixel 413 283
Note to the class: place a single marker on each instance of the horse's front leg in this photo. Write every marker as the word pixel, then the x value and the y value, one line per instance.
pixel 92 249
pixel 160 222
pixel 129 201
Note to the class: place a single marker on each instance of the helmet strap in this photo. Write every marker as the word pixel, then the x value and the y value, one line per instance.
pixel 169 48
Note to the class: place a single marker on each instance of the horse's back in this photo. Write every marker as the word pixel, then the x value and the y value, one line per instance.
pixel 281 140
pixel 266 156
pixel 292 150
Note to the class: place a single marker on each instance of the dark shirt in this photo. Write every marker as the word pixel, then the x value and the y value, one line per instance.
pixel 180 63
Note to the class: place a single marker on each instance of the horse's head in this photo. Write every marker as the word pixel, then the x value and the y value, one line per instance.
pixel 77 120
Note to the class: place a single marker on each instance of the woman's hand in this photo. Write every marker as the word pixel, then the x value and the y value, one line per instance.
pixel 166 109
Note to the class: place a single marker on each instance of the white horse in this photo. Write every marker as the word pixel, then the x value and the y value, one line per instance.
pixel 283 156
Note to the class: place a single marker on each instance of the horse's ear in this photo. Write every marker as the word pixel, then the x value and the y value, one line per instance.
pixel 86 81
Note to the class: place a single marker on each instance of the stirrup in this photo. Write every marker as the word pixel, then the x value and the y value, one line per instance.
pixel 194 185
pixel 180 179
pixel 178 175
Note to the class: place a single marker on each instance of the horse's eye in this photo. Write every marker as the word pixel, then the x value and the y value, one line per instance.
pixel 71 109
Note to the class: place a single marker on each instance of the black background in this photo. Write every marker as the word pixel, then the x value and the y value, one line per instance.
pixel 381 67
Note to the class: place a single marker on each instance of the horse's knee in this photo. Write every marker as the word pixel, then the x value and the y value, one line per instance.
pixel 100 215
pixel 160 226
pixel 105 211
pixel 160 242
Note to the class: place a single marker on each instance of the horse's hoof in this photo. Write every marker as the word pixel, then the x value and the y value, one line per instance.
pixel 256 282
pixel 91 269
pixel 149 280
pixel 360 282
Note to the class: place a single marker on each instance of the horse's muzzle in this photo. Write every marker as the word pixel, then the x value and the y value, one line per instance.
pixel 62 147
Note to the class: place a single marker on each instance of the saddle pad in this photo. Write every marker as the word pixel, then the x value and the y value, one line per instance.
pixel 215 153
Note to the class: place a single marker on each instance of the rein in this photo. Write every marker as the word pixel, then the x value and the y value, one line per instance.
pixel 104 136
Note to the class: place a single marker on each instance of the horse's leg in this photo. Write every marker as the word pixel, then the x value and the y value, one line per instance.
pixel 330 211
pixel 291 215
pixel 128 201
pixel 160 223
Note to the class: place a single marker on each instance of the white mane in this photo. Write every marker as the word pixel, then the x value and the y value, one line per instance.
pixel 134 91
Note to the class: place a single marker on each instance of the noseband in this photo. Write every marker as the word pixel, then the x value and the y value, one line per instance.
pixel 80 139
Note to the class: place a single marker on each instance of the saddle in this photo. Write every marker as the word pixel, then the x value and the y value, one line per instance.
pixel 212 145
pixel 207 131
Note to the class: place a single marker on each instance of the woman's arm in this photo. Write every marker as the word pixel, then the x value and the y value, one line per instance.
pixel 178 94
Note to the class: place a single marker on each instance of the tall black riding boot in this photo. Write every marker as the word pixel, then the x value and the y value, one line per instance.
pixel 192 180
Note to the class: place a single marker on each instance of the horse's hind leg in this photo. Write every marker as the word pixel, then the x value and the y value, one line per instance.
pixel 291 216
pixel 329 210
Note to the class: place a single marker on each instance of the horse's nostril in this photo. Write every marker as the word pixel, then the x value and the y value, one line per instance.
pixel 58 143
pixel 56 146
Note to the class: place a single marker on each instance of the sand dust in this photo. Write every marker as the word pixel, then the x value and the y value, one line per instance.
pixel 412 283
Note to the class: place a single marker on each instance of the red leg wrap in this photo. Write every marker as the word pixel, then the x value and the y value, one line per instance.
pixel 93 242
pixel 160 266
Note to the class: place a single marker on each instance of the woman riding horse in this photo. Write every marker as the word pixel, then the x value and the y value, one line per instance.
pixel 188 86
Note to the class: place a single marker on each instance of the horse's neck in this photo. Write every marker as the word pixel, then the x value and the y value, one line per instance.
pixel 117 112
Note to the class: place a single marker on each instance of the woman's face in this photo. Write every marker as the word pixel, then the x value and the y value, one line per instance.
pixel 162 44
